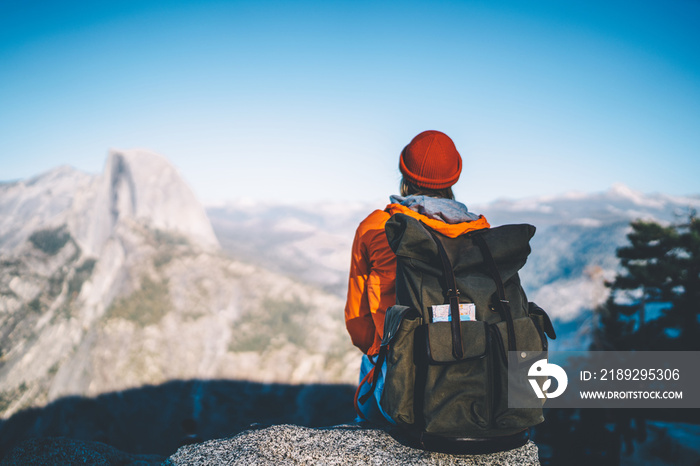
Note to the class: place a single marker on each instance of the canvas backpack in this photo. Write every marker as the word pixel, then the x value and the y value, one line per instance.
pixel 446 382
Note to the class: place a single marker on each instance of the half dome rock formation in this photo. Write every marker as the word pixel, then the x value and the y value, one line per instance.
pixel 143 186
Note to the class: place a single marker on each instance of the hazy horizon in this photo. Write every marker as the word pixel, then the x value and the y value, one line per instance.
pixel 242 200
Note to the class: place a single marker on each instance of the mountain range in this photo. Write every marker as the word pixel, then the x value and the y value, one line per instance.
pixel 573 250
pixel 123 279
pixel 117 280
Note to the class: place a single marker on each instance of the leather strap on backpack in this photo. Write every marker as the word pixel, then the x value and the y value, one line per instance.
pixel 502 305
pixel 452 295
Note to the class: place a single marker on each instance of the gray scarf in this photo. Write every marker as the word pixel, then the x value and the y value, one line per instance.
pixel 447 210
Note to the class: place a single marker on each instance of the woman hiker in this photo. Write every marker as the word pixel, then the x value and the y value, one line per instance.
pixel 430 165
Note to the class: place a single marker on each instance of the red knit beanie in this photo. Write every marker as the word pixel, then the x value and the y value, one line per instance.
pixel 431 161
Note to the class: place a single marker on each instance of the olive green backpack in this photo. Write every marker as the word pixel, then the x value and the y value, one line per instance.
pixel 446 382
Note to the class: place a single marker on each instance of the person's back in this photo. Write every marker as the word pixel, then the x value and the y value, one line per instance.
pixel 430 165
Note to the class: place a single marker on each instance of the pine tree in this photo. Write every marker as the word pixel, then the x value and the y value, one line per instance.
pixel 654 303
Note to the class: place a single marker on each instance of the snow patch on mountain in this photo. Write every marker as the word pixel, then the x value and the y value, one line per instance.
pixel 621 191
pixel 587 222
pixel 565 299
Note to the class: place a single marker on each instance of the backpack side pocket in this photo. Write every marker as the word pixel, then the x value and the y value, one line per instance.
pixel 532 346
pixel 398 396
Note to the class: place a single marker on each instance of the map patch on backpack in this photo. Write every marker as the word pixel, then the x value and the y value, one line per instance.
pixel 441 312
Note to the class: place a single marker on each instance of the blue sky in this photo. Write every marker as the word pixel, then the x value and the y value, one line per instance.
pixel 305 101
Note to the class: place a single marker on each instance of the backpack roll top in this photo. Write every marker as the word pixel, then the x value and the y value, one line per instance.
pixel 420 269
pixel 409 238
pixel 448 359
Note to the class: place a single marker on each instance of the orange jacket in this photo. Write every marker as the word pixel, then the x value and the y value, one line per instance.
pixel 371 288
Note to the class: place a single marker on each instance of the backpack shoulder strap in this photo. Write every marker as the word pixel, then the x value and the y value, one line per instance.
pixel 452 295
pixel 502 304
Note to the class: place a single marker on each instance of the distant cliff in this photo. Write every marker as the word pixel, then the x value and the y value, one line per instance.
pixel 116 280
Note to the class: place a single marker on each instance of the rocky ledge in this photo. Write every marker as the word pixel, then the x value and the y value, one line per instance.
pixel 339 445
pixel 278 445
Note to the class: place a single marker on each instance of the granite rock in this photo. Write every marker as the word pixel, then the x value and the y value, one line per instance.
pixel 338 445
